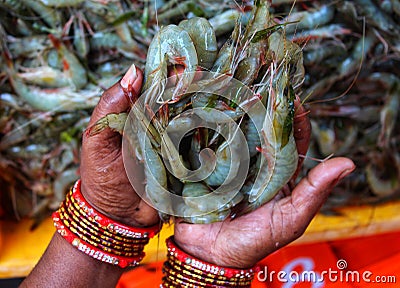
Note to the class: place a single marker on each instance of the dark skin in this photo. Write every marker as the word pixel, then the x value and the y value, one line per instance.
pixel 106 186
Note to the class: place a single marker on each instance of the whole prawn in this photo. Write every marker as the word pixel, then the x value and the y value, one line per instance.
pixel 172 44
pixel 278 159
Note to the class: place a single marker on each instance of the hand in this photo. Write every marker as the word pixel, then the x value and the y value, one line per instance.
pixel 104 181
pixel 244 241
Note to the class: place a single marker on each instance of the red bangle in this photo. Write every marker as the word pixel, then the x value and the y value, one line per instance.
pixel 109 224
pixel 183 257
pixel 91 250
pixel 97 235
pixel 183 270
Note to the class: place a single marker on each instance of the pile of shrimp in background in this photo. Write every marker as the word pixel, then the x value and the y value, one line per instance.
pixel 58 56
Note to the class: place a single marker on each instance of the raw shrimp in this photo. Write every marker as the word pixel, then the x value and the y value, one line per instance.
pixel 278 158
pixel 71 65
pixel 156 176
pixel 204 39
pixel 310 19
pixel 228 158
pixel 61 99
pixel 200 197
pixel 191 215
pixel 174 45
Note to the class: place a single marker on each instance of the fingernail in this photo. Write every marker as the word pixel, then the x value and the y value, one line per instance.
pixel 344 174
pixel 129 77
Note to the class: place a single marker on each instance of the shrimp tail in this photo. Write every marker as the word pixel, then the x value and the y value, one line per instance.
pixel 116 122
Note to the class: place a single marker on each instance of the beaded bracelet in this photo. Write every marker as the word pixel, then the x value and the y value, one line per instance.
pixel 183 270
pixel 97 235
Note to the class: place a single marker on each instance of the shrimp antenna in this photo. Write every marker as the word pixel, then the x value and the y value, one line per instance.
pixel 316 159
pixel 355 77
pixel 155 10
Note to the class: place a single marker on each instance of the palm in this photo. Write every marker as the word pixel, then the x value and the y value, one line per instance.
pixel 244 241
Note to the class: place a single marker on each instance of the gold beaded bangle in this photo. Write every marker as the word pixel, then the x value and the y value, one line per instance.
pixel 97 235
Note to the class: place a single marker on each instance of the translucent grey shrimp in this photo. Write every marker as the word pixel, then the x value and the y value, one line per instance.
pixel 331 141
pixel 174 45
pixel 200 197
pixel 278 158
pixel 252 137
pixel 331 31
pixel 390 109
pixel 71 64
pixel 315 55
pixel 224 22
pixel 377 17
pixel 309 19
pixel 226 167
pixel 44 76
pixel 156 179
pixel 382 173
pixel 51 16
pixel 62 3
pixel 204 39
pixel 62 183
pixel 109 11
pixel 191 215
pixel 248 68
pixel 346 67
pixel 28 46
pixel 285 50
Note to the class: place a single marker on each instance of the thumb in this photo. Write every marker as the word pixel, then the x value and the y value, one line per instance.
pixel 313 190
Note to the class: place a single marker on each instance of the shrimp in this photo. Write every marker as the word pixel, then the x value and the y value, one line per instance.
pixel 171 44
pixel 377 17
pixel 156 176
pixel 324 32
pixel 346 67
pixel 278 158
pixel 200 197
pixel 248 68
pixel 191 215
pixel 44 76
pixel 72 67
pixel 310 19
pixel 63 3
pixel 389 112
pixel 28 46
pixel 52 17
pixel 109 11
pixel 228 159
pixel 204 39
pixel 60 99
pixel 382 173
pixel 224 22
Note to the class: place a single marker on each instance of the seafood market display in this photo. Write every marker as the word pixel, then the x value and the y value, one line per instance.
pixel 341 58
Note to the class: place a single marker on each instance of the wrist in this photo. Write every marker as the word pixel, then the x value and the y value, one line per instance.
pixel 183 270
pixel 138 214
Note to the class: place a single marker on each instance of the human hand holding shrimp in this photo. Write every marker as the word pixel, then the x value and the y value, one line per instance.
pixel 104 181
pixel 244 241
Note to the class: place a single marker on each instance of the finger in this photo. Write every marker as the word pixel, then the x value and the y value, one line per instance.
pixel 302 135
pixel 313 190
pixel 115 100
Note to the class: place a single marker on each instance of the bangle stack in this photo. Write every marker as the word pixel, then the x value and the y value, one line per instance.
pixel 183 270
pixel 97 235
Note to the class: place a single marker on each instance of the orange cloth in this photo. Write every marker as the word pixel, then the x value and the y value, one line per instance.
pixel 376 258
